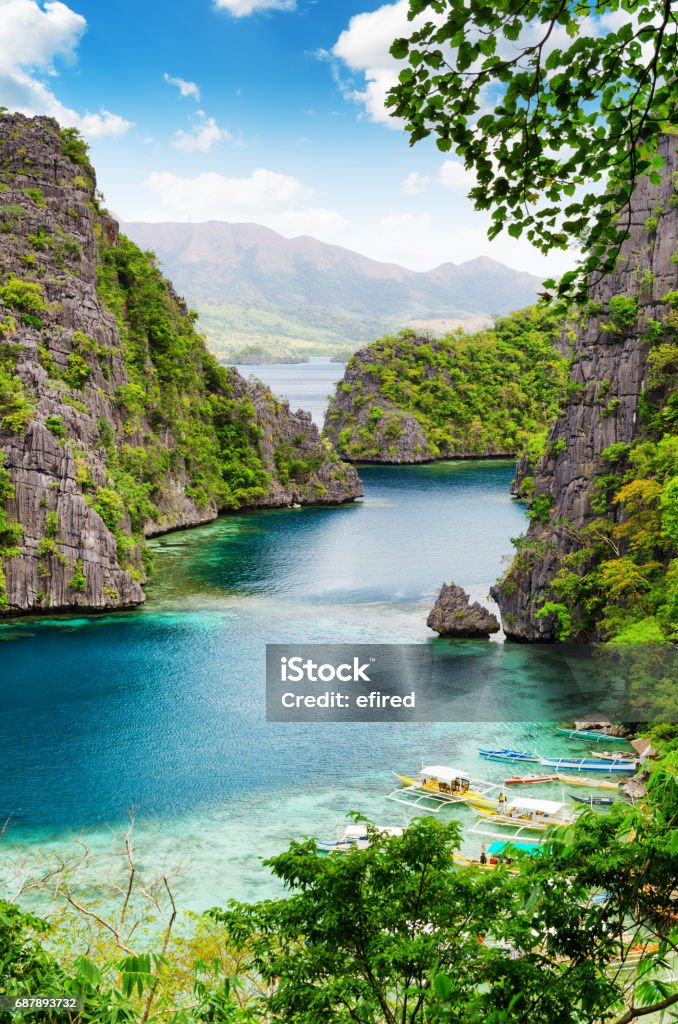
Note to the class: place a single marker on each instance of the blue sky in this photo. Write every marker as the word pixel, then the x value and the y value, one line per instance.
pixel 249 110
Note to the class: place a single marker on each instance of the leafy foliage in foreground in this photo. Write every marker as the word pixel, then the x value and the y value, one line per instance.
pixel 545 102
pixel 583 932
pixel 473 394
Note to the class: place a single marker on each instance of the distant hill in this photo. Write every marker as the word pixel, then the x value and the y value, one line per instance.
pixel 256 289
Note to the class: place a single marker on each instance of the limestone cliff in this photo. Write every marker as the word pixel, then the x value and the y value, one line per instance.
pixel 596 533
pixel 413 399
pixel 115 421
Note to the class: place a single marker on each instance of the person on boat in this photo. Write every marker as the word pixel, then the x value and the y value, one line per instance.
pixel 483 854
pixel 502 799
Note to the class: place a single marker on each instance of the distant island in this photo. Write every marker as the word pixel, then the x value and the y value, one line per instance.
pixel 257 355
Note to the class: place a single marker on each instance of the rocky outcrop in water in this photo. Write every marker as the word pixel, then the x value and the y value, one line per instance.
pixel 116 423
pixel 453 615
pixel 629 312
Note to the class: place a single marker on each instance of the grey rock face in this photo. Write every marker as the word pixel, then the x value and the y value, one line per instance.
pixel 67 556
pixel 609 372
pixel 454 615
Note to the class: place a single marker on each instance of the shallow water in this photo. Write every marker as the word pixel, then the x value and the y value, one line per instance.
pixel 163 708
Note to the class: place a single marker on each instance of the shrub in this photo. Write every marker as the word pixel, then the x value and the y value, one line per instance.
pixel 52 524
pixel 110 507
pixel 36 195
pixel 74 147
pixel 23 295
pixel 55 425
pixel 78 372
pixel 540 509
pixel 78 581
pixel 624 311
pixel 10 216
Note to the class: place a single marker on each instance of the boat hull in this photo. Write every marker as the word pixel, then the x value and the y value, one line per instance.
pixel 508 755
pixel 522 822
pixel 606 767
pixel 591 734
pixel 599 783
pixel 525 780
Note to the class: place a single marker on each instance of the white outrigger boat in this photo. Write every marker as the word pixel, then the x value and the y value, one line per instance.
pixel 591 734
pixel 582 764
pixel 435 785
pixel 569 780
pixel 526 814
pixel 356 837
pixel 613 755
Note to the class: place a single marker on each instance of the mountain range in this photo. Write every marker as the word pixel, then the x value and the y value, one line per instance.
pixel 262 296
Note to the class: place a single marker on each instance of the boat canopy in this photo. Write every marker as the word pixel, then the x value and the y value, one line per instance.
pixel 524 803
pixel 524 845
pixel 442 773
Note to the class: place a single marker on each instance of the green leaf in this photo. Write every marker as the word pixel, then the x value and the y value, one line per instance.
pixel 442 986
pixel 400 48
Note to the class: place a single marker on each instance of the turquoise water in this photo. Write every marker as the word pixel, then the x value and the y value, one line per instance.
pixel 306 386
pixel 163 708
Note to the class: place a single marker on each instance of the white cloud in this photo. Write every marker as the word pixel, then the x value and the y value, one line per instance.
pixel 364 49
pixel 454 176
pixel 202 136
pixel 211 196
pixel 279 201
pixel 241 8
pixel 414 184
pixel 405 221
pixel 184 87
pixel 31 39
pixel 366 41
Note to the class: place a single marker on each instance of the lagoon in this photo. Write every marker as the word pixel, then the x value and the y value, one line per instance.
pixel 162 709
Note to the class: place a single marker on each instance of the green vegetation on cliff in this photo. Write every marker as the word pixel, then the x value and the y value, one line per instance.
pixel 464 394
pixel 621 582
pixel 114 415
pixel 176 385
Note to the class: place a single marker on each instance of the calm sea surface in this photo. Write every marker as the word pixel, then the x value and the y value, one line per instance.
pixel 162 709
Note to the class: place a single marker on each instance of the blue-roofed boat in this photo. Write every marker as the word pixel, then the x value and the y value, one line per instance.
pixel 509 755
pixel 568 764
pixel 499 852
pixel 591 734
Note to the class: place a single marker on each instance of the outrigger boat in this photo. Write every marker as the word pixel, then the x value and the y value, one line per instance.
pixel 574 780
pixel 437 785
pixel 569 780
pixel 499 852
pixel 611 755
pixel 520 780
pixel 355 837
pixel 582 764
pixel 604 801
pixel 529 815
pixel 591 734
pixel 508 755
